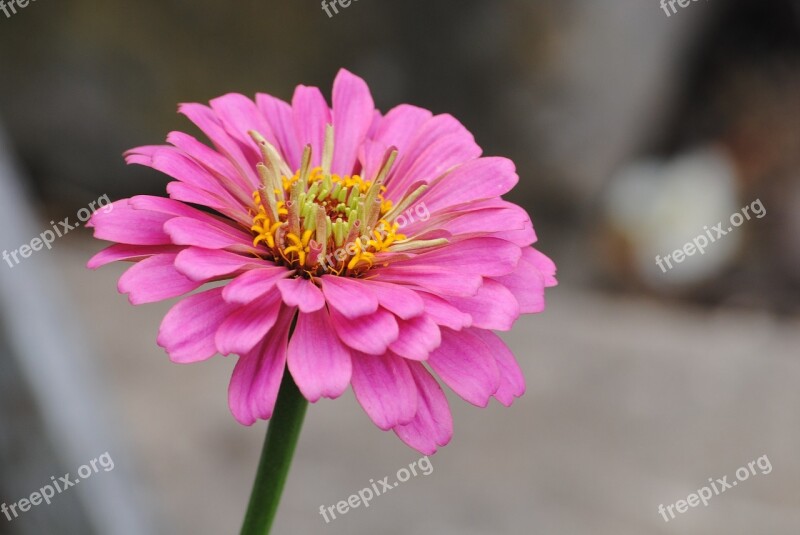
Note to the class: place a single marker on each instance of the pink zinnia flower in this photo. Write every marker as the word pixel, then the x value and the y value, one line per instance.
pixel 358 249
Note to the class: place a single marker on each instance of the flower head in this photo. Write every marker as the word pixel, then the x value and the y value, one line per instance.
pixel 356 249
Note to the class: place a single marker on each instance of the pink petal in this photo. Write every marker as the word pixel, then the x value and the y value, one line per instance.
pixel 301 293
pixel 527 282
pixel 478 179
pixel 427 135
pixel 166 206
pixel 254 284
pixel 445 314
pixel 319 362
pixel 208 234
pixel 350 297
pixel 370 334
pixel 239 115
pixel 493 307
pixel 155 279
pixel 279 115
pixel 207 121
pixel 399 300
pixel 418 337
pixel 510 224
pixel 400 126
pixel 187 331
pixel 141 155
pixel 385 388
pixel 187 193
pixel 478 256
pixel 206 264
pixel 172 162
pixel 377 119
pixel 121 251
pixel 123 224
pixel 545 266
pixel 371 154
pixel 310 114
pixel 352 116
pixel 465 364
pixel 444 154
pixel 248 325
pixel 436 280
pixel 512 382
pixel 257 376
pixel 433 424
pixel 216 164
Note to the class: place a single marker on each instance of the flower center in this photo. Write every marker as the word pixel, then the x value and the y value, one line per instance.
pixel 318 222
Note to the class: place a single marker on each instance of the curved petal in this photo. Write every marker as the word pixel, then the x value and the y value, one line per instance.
pixel 399 300
pixel 444 154
pixel 543 263
pixel 493 307
pixel 353 109
pixel 239 115
pixel 123 252
pixel 187 331
pixel 253 284
pixel 319 362
pixel 248 325
pixel 528 282
pixel 301 293
pixel 279 115
pixel 208 234
pixel 155 279
pixel 123 224
pixel 385 388
pixel 487 257
pixel 432 426
pixel 484 178
pixel 191 173
pixel 512 382
pixel 217 164
pixel 372 155
pixel 172 162
pixel 370 334
pixel 445 314
pixel 350 297
pixel 401 125
pixel 206 264
pixel 180 191
pixel 434 129
pixel 207 121
pixel 310 114
pixel 436 280
pixel 257 376
pixel 418 337
pixel 498 223
pixel 465 364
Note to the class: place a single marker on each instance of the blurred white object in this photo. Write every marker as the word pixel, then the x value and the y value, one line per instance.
pixel 657 207
pixel 48 343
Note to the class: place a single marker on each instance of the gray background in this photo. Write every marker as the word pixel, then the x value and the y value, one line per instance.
pixel 637 393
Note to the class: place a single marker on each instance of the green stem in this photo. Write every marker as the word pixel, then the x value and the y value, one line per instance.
pixel 276 457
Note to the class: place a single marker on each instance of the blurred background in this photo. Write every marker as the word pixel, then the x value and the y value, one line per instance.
pixel 634 127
